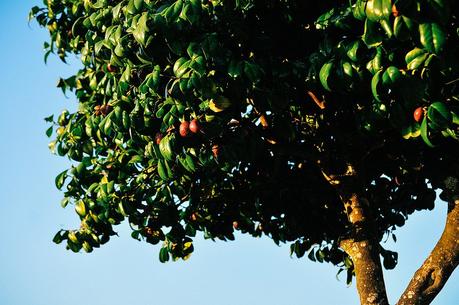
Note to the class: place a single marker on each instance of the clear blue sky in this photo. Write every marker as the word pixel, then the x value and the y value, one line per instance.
pixel 34 271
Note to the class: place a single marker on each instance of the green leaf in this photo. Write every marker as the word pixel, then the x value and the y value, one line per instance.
pixel 378 9
pixel 372 36
pixel 415 58
pixel 58 238
pixel 165 147
pixel 235 68
pixel 389 259
pixel 172 12
pixel 440 8
pixel 80 208
pixel 311 255
pixel 455 118
pixel 138 4
pixel 64 202
pixel 424 133
pixel 432 37
pixel 163 255
pixel 162 172
pixel 252 71
pixel 391 76
pixel 180 67
pixel 49 131
pixel 353 49
pixel 49 119
pixel 387 27
pixel 402 27
pixel 324 75
pixel 375 84
pixel 358 10
pixel 349 275
pixel 375 64
pixel 60 179
pixel 412 131
pixel 141 29
pixel 190 162
pixel 440 115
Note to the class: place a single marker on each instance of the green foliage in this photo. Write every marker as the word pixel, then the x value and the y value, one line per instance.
pixel 247 72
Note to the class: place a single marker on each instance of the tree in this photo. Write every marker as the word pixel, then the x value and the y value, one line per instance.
pixel 321 125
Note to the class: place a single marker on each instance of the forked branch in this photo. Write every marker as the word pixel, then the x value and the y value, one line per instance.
pixel 437 268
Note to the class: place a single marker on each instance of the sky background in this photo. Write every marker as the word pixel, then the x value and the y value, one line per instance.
pixel 34 271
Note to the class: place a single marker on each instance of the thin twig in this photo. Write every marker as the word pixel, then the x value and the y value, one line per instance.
pixel 319 103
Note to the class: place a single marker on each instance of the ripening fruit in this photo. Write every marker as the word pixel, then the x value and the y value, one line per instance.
pixel 158 137
pixel 193 217
pixel 184 129
pixel 215 150
pixel 194 126
pixel 105 109
pixel 395 11
pixel 235 225
pixel 418 114
pixel 111 68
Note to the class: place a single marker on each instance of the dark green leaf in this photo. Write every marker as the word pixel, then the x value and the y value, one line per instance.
pixel 425 133
pixel 60 179
pixel 432 37
pixel 163 255
pixel 49 131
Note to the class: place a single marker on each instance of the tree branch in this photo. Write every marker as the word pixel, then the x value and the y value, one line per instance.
pixel 437 268
pixel 363 250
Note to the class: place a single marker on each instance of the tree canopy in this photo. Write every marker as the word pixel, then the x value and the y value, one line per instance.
pixel 265 117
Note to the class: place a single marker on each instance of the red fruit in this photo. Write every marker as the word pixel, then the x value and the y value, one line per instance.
pixel 194 126
pixel 194 217
pixel 395 11
pixel 110 68
pixel 418 114
pixel 184 129
pixel 158 137
pixel 215 150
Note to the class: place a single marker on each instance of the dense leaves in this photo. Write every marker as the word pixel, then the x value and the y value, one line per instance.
pixel 286 96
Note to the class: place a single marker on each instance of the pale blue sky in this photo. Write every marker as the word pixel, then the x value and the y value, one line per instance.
pixel 34 271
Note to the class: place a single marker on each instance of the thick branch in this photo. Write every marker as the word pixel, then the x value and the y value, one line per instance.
pixel 363 249
pixel 437 268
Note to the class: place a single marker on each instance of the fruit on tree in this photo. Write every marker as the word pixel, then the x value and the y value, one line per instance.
pixel 194 126
pixel 215 150
pixel 193 217
pixel 395 11
pixel 158 137
pixel 184 129
pixel 418 114
pixel 111 68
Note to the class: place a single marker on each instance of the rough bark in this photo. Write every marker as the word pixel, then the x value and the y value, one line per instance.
pixel 363 250
pixel 437 268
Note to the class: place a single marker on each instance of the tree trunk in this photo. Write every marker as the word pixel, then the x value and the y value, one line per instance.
pixel 435 271
pixel 363 250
